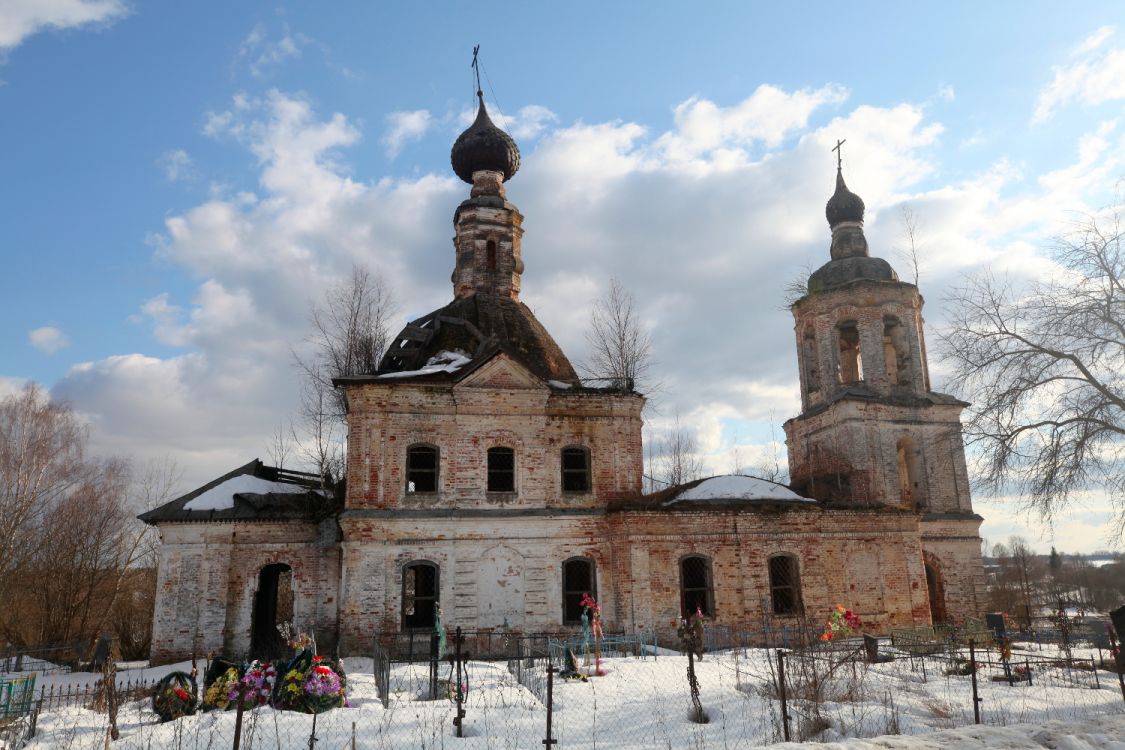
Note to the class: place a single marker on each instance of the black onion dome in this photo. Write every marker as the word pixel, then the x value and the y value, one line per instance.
pixel 484 146
pixel 844 205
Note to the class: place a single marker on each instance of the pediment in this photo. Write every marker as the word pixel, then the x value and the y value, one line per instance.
pixel 502 372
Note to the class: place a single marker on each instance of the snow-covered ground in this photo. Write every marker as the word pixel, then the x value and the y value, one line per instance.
pixel 645 704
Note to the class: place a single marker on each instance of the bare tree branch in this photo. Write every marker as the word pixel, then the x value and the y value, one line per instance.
pixel 1045 369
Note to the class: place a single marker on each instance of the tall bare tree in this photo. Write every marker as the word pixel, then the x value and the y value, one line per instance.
pixel 1044 367
pixel 70 532
pixel 42 451
pixel 911 247
pixel 677 456
pixel 351 330
pixel 620 346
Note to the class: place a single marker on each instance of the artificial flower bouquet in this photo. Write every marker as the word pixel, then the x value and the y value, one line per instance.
pixel 312 684
pixel 842 623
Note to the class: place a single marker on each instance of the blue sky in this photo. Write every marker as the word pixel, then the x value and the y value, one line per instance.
pixel 178 180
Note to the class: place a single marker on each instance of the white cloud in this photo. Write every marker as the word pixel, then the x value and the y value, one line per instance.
pixel 177 165
pixel 403 127
pixel 10 386
pixel 528 122
pixel 262 54
pixel 19 19
pixel 48 339
pixel 1095 75
pixel 767 116
pixel 704 223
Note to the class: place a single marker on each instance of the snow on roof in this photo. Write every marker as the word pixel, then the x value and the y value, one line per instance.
pixel 738 487
pixel 558 384
pixel 443 361
pixel 221 497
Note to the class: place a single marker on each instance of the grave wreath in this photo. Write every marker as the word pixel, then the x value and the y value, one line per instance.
pixel 174 696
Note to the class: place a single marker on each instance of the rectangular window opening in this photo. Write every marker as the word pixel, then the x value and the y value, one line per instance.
pixel 501 470
pixel 421 469
pixel 575 470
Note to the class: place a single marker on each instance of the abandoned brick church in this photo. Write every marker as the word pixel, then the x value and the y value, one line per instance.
pixel 485 478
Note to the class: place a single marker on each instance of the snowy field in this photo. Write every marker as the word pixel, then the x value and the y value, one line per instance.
pixel 645 704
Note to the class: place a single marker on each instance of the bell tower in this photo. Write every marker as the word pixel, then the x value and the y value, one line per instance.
pixel 487 228
pixel 871 432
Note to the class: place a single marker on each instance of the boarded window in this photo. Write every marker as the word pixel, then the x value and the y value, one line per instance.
pixel 578 580
pixel 419 595
pixel 696 591
pixel 575 470
pixel 785 585
pixel 501 470
pixel 421 468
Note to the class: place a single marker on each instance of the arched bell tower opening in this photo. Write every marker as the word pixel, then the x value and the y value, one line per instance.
pixel 273 605
pixel 849 367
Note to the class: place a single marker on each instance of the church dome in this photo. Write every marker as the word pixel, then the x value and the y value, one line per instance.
pixel 484 146
pixel 844 205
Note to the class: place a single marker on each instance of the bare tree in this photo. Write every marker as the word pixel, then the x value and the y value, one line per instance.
pixel 676 459
pixel 42 450
pixel 322 443
pixel 1044 367
pixel 70 533
pixel 737 466
pixel 620 347
pixel 769 466
pixel 281 444
pixel 911 247
pixel 797 286
pixel 350 332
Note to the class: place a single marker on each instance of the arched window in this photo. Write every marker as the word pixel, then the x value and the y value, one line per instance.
pixel 575 469
pixel 419 595
pixel 785 585
pixel 850 365
pixel 909 473
pixel 896 351
pixel 501 470
pixel 812 367
pixel 490 254
pixel 578 579
pixel 697 592
pixel 421 468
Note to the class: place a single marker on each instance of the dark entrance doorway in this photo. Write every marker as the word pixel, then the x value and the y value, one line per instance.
pixel 273 605
pixel 419 595
pixel 937 594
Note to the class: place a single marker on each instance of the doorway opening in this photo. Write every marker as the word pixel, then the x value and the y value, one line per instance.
pixel 273 605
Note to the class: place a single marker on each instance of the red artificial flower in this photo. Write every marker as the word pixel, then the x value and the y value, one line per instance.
pixel 182 694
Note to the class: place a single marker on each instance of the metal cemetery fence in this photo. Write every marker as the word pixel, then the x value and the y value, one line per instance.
pixel 512 690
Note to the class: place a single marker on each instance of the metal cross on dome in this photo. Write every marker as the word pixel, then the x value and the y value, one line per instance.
pixel 476 67
pixel 839 151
